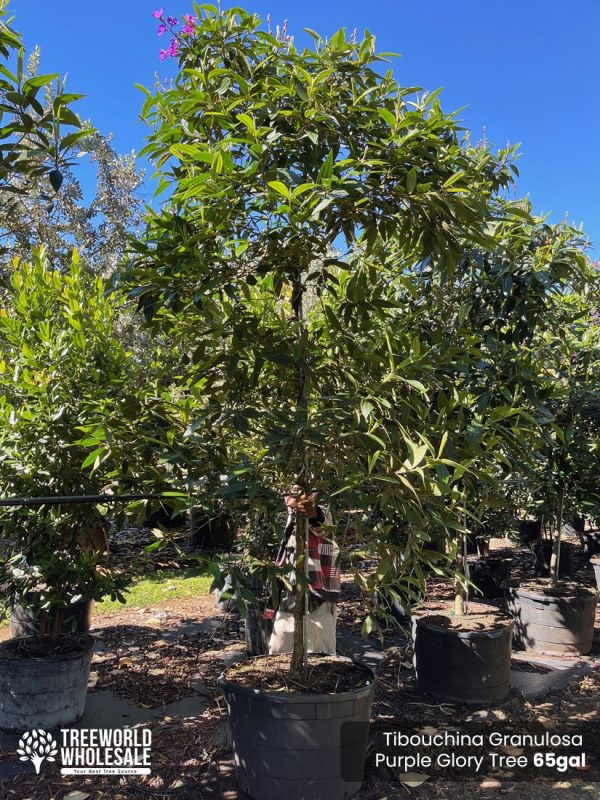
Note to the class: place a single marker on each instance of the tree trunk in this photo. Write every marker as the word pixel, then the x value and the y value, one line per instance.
pixel 556 541
pixel 461 593
pixel 298 662
pixel 300 624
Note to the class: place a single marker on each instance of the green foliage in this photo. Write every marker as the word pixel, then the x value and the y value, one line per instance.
pixel 58 351
pixel 358 307
pixel 273 156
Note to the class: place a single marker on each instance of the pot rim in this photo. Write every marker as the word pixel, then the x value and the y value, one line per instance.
pixel 582 592
pixel 49 657
pixel 494 633
pixel 280 697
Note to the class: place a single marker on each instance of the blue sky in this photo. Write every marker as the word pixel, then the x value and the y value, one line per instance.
pixel 525 72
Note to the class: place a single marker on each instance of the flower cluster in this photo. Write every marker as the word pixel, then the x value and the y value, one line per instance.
pixel 169 24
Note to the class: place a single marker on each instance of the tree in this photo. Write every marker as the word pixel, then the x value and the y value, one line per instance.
pixel 58 356
pixel 500 309
pixel 99 228
pixel 274 156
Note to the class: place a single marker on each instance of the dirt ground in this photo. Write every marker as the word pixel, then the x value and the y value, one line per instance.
pixel 191 756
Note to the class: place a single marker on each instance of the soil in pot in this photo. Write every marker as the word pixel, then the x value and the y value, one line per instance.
pixel 542 551
pixel 76 619
pixel 299 737
pixel 466 658
pixel 552 620
pixel 43 683
pixel 488 573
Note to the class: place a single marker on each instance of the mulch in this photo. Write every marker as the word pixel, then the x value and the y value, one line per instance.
pixel 149 658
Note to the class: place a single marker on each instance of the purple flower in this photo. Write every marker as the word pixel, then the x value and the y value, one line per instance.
pixel 189 26
pixel 162 55
pixel 161 29
pixel 173 48
pixel 158 14
pixel 172 21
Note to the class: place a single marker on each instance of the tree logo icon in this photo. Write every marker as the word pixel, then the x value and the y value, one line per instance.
pixel 37 746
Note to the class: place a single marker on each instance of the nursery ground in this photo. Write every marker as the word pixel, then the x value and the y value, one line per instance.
pixel 156 664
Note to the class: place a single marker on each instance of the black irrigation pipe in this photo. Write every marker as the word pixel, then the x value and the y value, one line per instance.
pixel 74 499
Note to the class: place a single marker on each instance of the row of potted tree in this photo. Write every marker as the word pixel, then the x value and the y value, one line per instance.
pixel 358 309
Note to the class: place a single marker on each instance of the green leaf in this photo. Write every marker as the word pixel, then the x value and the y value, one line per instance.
pixel 387 116
pixel 280 188
pixel 326 171
pixel 411 180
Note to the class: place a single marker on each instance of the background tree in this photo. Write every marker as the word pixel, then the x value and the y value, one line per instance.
pixel 32 138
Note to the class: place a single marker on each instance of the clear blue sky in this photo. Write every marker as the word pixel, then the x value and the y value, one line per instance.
pixel 526 71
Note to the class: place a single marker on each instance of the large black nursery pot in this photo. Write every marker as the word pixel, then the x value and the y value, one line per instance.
pixel 550 620
pixel 43 691
pixel 595 562
pixel 530 530
pixel 488 573
pixel 461 665
pixel 289 746
pixel 578 524
pixel 211 533
pixel 76 619
pixel 542 552
pixel 591 542
pixel 258 628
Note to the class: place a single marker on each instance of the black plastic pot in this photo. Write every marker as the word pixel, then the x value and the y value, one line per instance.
pixel 45 692
pixel 595 562
pixel 578 524
pixel 211 533
pixel 290 746
pixel 530 530
pixel 226 603
pixel 488 574
pixel 542 551
pixel 591 543
pixel 163 517
pixel 258 632
pixel 77 619
pixel 462 666
pixel 547 623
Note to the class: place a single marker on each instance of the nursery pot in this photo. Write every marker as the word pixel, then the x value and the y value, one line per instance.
pixel 578 524
pixel 552 620
pixel 258 629
pixel 211 532
pixel 542 551
pixel 290 745
pixel 77 619
pixel 464 666
pixel 591 543
pixel 595 562
pixel 488 573
pixel 530 530
pixel 45 691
